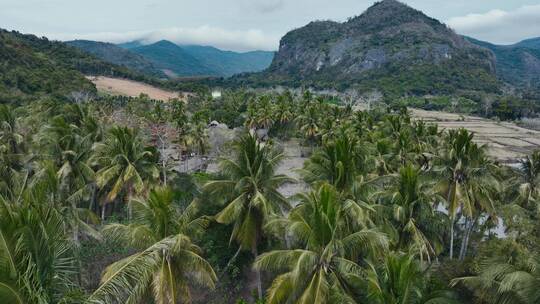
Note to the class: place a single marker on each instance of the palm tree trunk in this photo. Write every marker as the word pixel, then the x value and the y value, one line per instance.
pixel 258 275
pixel 233 258
pixel 468 237
pixel 92 198
pixel 76 236
pixel 130 207
pixel 464 240
pixel 103 212
pixel 451 238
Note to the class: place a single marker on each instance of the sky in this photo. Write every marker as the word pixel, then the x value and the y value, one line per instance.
pixel 244 25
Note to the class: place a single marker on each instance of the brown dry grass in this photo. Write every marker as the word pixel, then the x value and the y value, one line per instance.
pixel 506 141
pixel 116 86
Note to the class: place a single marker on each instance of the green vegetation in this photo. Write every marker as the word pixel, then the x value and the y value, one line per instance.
pixel 392 210
pixel 109 52
pixel 517 64
pixel 193 60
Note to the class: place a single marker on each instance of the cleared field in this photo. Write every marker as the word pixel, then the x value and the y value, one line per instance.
pixel 116 86
pixel 506 141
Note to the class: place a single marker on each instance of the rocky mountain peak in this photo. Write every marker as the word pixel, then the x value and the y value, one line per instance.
pixel 390 41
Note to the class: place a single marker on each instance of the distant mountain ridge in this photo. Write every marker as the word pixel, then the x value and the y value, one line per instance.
pixel 114 54
pixel 391 47
pixel 517 64
pixel 180 60
pixel 173 59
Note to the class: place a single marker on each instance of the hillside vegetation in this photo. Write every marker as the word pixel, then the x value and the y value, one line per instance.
pixel 517 64
pixel 390 47
pixel 31 66
pixel 117 55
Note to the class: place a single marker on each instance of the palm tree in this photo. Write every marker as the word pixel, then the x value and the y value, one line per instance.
pixel 329 239
pixel 36 261
pixel 411 203
pixel 400 280
pixel 168 262
pixel 124 162
pixel 506 280
pixel 308 122
pixel 465 180
pixel 250 188
pixel 529 174
pixel 11 148
pixel 338 162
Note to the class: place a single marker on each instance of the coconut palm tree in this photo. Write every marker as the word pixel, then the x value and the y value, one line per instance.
pixel 124 164
pixel 12 148
pixel 36 261
pixel 466 178
pixel 167 264
pixel 308 122
pixel 401 280
pixel 529 178
pixel 338 162
pixel 250 190
pixel 329 239
pixel 506 280
pixel 410 204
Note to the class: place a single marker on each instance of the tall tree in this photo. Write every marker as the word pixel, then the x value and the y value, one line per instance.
pixel 250 188
pixel 124 164
pixel 168 262
pixel 329 239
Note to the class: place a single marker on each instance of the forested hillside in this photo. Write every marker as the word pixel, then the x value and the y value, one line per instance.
pixel 517 64
pixel 112 53
pixel 196 60
pixel 31 66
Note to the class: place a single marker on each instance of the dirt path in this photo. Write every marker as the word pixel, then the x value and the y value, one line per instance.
pixel 117 86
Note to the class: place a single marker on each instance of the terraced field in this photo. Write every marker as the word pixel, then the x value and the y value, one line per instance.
pixel 506 140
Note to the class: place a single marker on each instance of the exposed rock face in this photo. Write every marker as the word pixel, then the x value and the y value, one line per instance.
pixel 389 37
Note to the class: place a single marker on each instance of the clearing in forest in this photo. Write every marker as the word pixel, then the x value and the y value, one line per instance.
pixel 117 86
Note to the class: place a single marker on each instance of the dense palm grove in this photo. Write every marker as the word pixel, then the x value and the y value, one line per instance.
pixel 396 210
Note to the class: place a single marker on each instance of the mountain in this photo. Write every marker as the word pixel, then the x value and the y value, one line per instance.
pixel 33 67
pixel 173 59
pixel 391 47
pixel 517 64
pixel 130 45
pixel 228 63
pixel 117 55
pixel 197 60
pixel 533 43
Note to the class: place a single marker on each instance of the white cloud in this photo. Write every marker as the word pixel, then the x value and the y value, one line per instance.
pixel 500 26
pixel 245 40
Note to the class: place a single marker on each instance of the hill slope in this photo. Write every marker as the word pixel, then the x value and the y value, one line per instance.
pixel 228 63
pixel 114 54
pixel 170 57
pixel 517 64
pixel 33 67
pixel 197 60
pixel 391 47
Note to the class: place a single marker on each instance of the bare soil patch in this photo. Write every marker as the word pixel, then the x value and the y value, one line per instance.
pixel 117 86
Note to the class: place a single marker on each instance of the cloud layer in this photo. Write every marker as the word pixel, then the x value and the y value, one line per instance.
pixel 245 40
pixel 500 26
